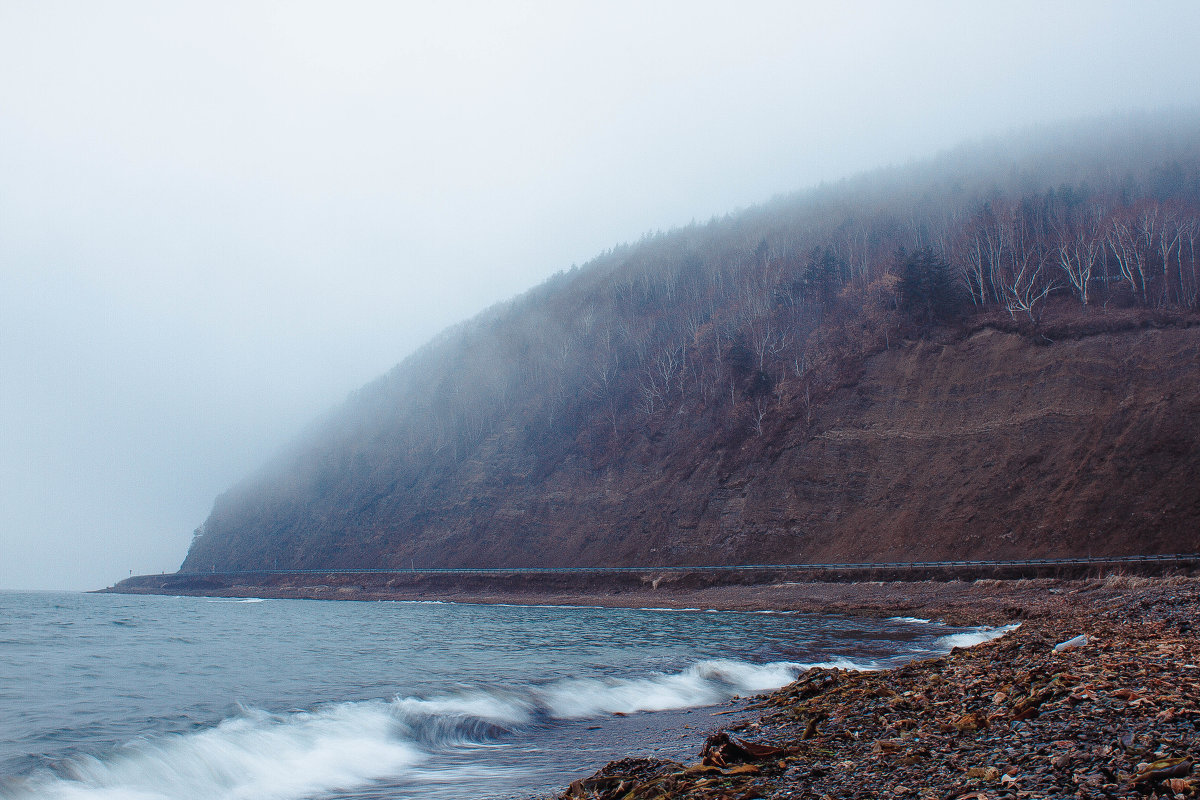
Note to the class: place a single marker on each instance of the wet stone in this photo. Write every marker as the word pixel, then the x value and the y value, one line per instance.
pixel 1117 717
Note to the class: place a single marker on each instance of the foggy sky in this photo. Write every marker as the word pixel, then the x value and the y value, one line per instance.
pixel 218 219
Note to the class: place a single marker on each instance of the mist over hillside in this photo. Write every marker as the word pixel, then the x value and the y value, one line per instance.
pixel 992 353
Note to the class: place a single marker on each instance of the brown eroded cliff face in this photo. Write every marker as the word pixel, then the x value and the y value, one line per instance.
pixel 997 447
pixel 991 447
pixel 988 445
pixel 978 357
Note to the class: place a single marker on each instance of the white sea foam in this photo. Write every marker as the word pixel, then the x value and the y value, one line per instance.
pixel 703 683
pixel 254 756
pixel 470 716
pixel 262 756
pixel 974 636
pixel 913 620
pixel 583 698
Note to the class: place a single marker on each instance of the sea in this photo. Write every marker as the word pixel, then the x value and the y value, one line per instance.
pixel 127 697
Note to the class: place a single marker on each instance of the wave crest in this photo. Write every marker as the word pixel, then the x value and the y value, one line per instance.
pixel 258 755
pixel 975 636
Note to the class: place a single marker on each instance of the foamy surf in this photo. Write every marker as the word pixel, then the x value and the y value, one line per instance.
pixel 975 636
pixel 263 756
pixel 704 683
pixel 447 730
pixel 255 755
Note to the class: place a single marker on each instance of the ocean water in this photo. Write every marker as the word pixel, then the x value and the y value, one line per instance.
pixel 147 698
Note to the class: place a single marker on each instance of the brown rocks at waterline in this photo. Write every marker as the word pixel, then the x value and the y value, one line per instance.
pixel 1117 716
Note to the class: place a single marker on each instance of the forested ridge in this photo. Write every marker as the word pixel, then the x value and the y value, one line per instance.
pixel 991 352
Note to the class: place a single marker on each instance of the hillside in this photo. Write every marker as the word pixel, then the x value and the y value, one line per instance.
pixel 993 354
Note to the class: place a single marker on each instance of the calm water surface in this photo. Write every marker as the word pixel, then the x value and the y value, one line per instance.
pixel 145 698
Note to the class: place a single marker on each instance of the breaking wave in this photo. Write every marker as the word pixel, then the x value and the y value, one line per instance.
pixel 975 636
pixel 704 683
pixel 258 755
pixel 252 755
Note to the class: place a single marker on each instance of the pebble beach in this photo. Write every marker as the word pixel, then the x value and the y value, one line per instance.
pixel 1093 693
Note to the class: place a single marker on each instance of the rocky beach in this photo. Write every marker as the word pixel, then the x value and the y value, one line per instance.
pixel 1095 694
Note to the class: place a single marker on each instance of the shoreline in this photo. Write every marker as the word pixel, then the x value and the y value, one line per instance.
pixel 980 602
pixel 1023 715
pixel 1115 716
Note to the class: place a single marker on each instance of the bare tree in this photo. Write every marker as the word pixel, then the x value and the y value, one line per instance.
pixel 1128 249
pixel 765 340
pixel 602 386
pixel 968 255
pixel 1169 236
pixel 758 413
pixel 1189 278
pixel 650 390
pixel 1079 245
pixel 1028 281
pixel 669 363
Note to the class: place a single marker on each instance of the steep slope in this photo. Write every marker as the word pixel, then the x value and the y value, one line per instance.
pixel 963 358
pixel 990 446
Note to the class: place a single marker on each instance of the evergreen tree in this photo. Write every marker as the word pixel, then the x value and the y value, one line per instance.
pixel 927 290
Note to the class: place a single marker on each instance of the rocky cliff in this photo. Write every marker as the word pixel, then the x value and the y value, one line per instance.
pixel 969 358
pixel 990 445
